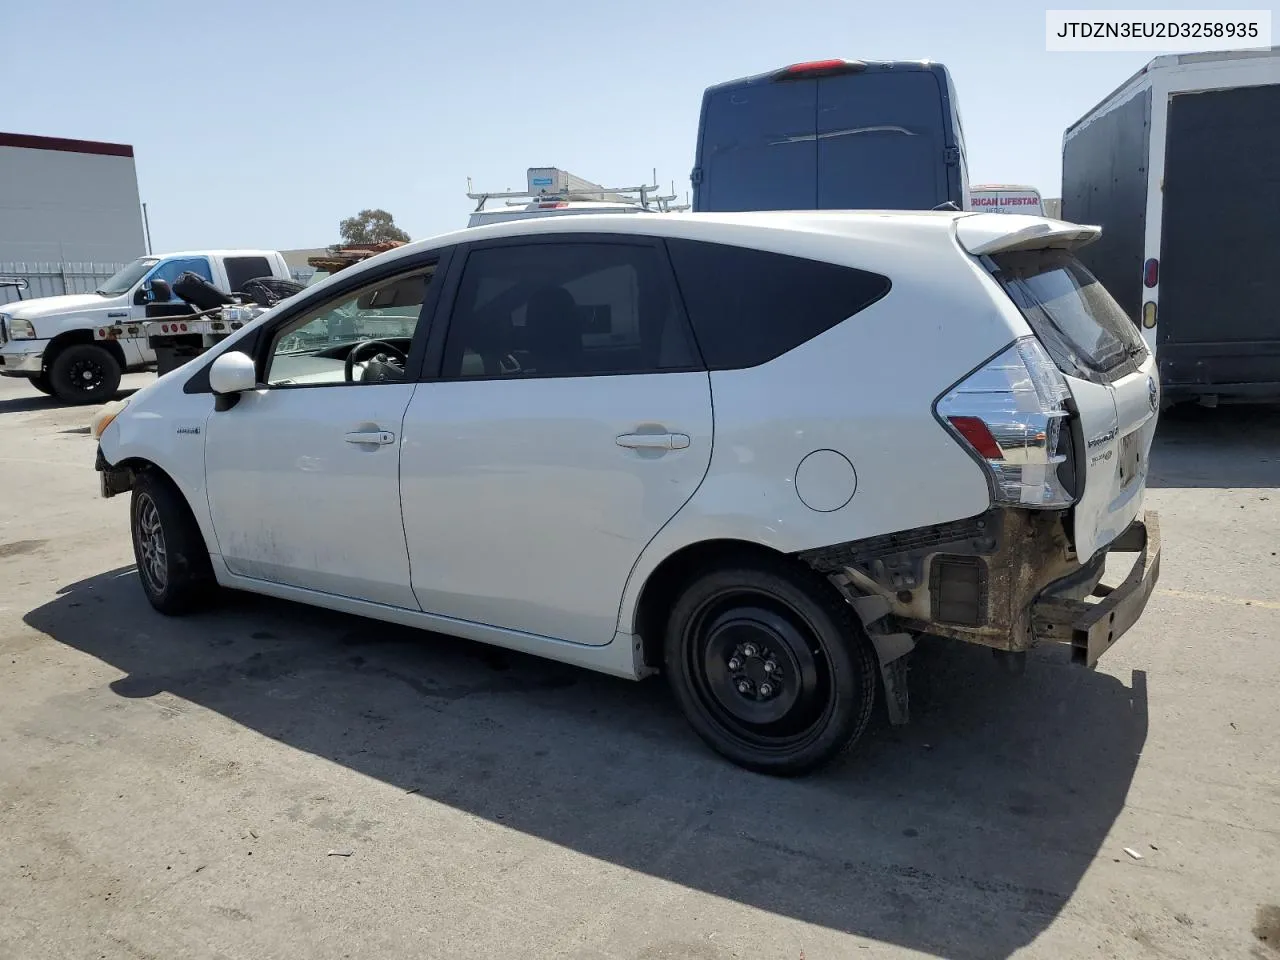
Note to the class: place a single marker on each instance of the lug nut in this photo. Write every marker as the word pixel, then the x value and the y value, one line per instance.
pixel 766 689
pixel 734 663
pixel 744 687
pixel 749 650
pixel 770 666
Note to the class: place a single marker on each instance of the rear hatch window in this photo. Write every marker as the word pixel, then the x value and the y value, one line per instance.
pixel 882 142
pixel 1080 324
pixel 759 148
pixel 860 140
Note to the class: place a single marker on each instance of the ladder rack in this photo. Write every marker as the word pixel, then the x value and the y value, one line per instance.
pixel 643 195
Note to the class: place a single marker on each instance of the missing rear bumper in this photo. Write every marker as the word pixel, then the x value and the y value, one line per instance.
pixel 1091 628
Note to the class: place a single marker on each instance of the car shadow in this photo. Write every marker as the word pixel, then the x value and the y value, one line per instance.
pixel 1221 447
pixel 29 404
pixel 963 834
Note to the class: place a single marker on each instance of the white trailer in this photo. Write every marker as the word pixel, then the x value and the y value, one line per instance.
pixel 1178 166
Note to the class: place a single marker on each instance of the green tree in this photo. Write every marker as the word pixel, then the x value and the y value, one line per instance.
pixel 370 226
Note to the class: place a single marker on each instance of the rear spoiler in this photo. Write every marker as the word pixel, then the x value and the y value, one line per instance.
pixel 983 234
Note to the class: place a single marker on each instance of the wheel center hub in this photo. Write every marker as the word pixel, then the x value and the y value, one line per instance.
pixel 755 672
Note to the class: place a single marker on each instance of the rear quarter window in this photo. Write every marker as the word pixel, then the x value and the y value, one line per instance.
pixel 747 306
pixel 1078 321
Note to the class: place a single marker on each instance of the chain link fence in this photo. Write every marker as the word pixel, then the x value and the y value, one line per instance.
pixel 54 279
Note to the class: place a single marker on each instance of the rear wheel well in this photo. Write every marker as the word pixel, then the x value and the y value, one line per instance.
pixel 71 337
pixel 676 572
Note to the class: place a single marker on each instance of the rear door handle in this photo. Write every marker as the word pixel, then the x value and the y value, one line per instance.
pixel 375 437
pixel 654 441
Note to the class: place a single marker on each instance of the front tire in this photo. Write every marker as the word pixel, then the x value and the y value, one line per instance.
pixel 41 383
pixel 84 373
pixel 770 667
pixel 173 562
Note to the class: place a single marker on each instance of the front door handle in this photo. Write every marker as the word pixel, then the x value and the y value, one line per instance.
pixel 375 437
pixel 654 441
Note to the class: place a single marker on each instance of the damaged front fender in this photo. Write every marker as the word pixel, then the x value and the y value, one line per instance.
pixel 112 480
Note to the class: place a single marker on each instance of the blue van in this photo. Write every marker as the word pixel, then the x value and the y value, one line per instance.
pixel 832 135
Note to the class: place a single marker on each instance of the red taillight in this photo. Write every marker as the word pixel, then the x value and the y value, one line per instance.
pixel 819 68
pixel 1151 272
pixel 1012 414
pixel 978 435
pixel 552 206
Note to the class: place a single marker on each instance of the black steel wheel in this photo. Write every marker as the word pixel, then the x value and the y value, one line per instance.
pixel 173 563
pixel 84 373
pixel 770 666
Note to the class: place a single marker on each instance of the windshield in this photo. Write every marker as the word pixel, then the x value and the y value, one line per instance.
pixel 1079 323
pixel 124 280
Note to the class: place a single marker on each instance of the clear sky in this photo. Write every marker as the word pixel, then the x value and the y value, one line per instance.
pixel 264 123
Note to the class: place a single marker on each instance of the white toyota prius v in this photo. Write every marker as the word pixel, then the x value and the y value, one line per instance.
pixel 762 454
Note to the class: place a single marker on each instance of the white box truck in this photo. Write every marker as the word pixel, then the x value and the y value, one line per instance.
pixel 1179 167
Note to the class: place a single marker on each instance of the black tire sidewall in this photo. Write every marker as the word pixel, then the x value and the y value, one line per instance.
pixel 42 384
pixel 60 374
pixel 188 576
pixel 844 645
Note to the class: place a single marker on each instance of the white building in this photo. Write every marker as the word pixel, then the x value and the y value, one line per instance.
pixel 69 210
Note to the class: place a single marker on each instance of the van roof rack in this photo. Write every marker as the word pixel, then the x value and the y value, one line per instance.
pixel 550 185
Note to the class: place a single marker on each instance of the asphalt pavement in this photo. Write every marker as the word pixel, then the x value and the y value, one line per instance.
pixel 267 780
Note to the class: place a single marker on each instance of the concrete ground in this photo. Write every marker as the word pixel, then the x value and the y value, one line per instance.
pixel 266 780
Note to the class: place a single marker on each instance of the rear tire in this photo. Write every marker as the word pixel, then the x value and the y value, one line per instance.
pixel 84 373
pixel 42 384
pixel 770 666
pixel 173 562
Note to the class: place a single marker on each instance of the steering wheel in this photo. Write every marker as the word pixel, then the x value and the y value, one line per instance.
pixel 395 361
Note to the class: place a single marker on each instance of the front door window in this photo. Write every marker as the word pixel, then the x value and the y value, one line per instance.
pixel 372 328
pixel 170 270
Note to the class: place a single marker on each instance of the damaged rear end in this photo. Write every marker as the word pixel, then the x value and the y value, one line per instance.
pixel 1061 423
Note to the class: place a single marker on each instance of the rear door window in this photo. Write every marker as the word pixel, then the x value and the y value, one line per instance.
pixel 566 309
pixel 1076 319
pixel 747 307
pixel 881 142
pixel 758 149
pixel 242 269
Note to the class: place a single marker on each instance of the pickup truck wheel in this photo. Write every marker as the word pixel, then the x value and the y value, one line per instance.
pixel 42 384
pixel 173 562
pixel 84 373
pixel 770 667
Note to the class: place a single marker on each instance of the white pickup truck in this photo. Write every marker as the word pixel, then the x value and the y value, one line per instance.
pixel 52 340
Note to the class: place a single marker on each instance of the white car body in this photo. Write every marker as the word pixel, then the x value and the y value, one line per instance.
pixel 551 208
pixel 533 512
pixel 33 331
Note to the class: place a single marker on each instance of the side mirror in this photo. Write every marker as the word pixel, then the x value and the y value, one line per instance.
pixel 231 374
pixel 161 291
pixel 142 296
